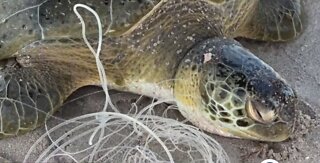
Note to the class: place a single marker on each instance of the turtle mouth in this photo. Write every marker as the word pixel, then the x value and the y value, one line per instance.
pixel 273 133
pixel 256 123
pixel 277 132
pixel 265 124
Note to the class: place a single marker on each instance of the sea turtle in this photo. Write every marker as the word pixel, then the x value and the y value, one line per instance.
pixel 179 49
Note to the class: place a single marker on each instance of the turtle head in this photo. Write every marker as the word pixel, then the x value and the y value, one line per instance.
pixel 231 92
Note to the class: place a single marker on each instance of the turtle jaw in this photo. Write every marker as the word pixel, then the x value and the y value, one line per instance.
pixel 275 132
pixel 243 126
pixel 270 133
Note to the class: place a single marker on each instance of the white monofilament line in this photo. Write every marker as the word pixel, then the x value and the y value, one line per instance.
pixel 103 79
pixel 102 74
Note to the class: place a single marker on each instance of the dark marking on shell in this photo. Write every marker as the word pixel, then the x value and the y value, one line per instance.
pixel 212 118
pixel 212 109
pixel 221 108
pixel 212 102
pixel 242 123
pixel 225 120
pixel 238 113
pixel 224 114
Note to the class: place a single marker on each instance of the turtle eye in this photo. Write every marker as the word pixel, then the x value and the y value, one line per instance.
pixel 259 113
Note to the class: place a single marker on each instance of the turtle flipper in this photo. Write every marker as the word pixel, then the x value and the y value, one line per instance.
pixel 25 100
pixel 268 20
pixel 36 82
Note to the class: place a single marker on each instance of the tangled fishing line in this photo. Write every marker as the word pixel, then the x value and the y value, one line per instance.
pixel 136 136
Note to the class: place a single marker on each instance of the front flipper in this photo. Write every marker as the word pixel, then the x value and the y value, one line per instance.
pixel 27 97
pixel 267 20
pixel 34 84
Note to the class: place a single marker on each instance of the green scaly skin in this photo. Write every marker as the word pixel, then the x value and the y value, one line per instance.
pixel 184 49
